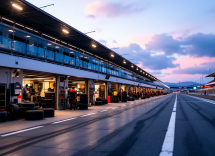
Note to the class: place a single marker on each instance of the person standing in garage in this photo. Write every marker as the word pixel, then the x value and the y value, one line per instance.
pixel 73 96
pixel 24 92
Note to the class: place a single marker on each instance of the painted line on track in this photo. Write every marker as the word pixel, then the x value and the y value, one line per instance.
pixel 20 131
pixel 206 100
pixel 63 120
pixel 168 144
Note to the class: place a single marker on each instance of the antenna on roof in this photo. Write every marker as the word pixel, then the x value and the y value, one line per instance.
pixel 46 6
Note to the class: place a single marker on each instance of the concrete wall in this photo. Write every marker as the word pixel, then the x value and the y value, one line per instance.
pixel 7 77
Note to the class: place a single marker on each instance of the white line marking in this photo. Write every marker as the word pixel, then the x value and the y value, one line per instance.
pixel 168 144
pixel 206 100
pixel 24 130
pixel 103 110
pixel 62 120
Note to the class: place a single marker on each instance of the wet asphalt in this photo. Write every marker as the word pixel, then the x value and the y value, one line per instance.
pixel 138 129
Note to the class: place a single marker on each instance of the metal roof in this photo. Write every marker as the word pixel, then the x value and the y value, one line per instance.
pixel 211 75
pixel 40 20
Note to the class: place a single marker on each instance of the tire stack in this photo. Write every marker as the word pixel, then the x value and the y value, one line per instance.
pixel 3 116
pixel 12 111
pixel 24 107
pixel 115 100
pixel 47 103
pixel 124 96
pixel 83 104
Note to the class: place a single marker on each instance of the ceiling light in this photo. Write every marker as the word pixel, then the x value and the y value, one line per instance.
pixel 28 36
pixel 49 44
pixel 112 55
pixel 71 52
pixel 57 47
pixel 16 6
pixel 93 45
pixel 11 31
pixel 132 66
pixel 124 62
pixel 137 68
pixel 65 31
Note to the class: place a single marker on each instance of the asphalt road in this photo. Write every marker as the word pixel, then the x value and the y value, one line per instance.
pixel 138 129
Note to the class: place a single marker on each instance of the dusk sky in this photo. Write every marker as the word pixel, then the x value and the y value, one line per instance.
pixel 173 40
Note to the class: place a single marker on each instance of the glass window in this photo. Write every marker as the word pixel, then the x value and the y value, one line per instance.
pixel 59 53
pixel 66 55
pixel 72 57
pixel 85 60
pixel 78 59
pixel 41 48
pixel 50 51
pixel 5 37
pixel 19 42
pixel 31 45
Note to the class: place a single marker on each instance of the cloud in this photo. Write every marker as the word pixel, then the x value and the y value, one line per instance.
pixel 200 45
pixel 103 42
pixel 164 43
pixel 153 62
pixel 91 16
pixel 200 69
pixel 111 9
pixel 196 45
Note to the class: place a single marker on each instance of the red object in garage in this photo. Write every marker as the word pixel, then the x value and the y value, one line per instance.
pixel 19 97
pixel 109 99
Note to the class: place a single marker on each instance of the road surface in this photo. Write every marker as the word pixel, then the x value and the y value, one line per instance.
pixel 177 125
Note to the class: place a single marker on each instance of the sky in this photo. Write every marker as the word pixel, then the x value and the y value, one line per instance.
pixel 172 40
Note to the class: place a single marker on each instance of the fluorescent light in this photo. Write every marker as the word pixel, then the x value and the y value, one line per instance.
pixel 71 52
pixel 93 45
pixel 11 31
pixel 49 44
pixel 64 30
pixel 28 36
pixel 57 47
pixel 16 6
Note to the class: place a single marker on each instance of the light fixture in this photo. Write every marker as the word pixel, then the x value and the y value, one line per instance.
pixel 132 66
pixel 141 71
pixel 112 55
pixel 137 68
pixel 71 52
pixel 11 30
pixel 93 45
pixel 28 36
pixel 49 44
pixel 124 62
pixel 65 31
pixel 16 6
pixel 57 47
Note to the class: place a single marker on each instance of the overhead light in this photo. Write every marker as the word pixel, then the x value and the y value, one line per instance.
pixel 68 76
pixel 141 71
pixel 57 47
pixel 93 45
pixel 71 52
pixel 49 44
pixel 16 6
pixel 146 74
pixel 132 66
pixel 124 62
pixel 28 36
pixel 65 31
pixel 112 55
pixel 137 68
pixel 11 30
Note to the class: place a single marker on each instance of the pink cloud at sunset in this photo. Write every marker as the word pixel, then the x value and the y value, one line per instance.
pixel 99 7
